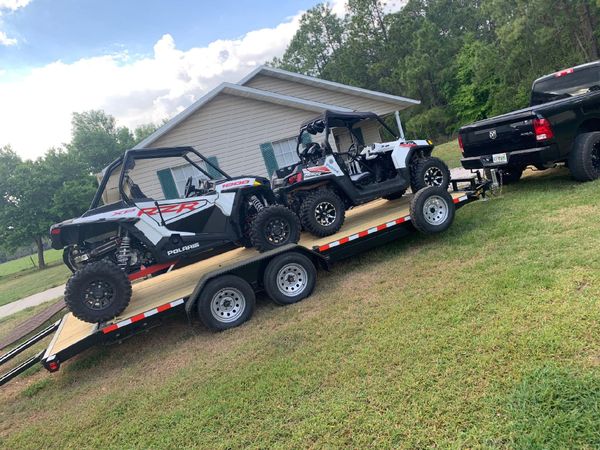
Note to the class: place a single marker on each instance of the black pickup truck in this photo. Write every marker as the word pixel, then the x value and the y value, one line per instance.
pixel 562 125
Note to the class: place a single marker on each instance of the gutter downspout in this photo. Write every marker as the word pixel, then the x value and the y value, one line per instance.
pixel 399 123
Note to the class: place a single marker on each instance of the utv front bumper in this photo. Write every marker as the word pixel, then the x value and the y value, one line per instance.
pixel 539 157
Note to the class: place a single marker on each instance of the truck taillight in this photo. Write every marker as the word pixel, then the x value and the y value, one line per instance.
pixel 542 129
pixel 562 73
pixel 460 144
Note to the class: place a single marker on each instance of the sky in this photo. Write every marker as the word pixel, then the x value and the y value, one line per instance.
pixel 139 60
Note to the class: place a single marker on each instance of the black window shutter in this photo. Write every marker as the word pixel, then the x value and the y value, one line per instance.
pixel 167 183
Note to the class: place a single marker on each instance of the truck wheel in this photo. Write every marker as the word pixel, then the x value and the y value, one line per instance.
pixel 225 302
pixel 432 210
pixel 429 172
pixel 98 292
pixel 322 212
pixel 395 195
pixel 511 175
pixel 289 278
pixel 273 227
pixel 584 159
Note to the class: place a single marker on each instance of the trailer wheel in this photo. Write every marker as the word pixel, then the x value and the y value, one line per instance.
pixel 273 227
pixel 98 292
pixel 225 302
pixel 322 212
pixel 427 172
pixel 432 210
pixel 584 159
pixel 289 278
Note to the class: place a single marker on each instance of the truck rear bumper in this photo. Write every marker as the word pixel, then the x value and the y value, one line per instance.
pixel 539 157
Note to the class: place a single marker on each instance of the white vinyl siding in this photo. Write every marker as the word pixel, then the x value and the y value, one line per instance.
pixel 285 152
pixel 318 94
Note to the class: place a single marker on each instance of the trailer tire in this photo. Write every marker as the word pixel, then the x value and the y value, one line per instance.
pixel 225 302
pixel 432 210
pixel 316 209
pixel 274 226
pixel 584 159
pixel 395 195
pixel 98 292
pixel 427 172
pixel 289 278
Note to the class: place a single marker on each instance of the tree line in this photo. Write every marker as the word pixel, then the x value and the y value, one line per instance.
pixel 464 59
pixel 34 194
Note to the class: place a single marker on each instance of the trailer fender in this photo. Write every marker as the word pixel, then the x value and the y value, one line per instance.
pixel 252 271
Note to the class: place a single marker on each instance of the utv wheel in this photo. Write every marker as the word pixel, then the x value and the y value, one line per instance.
pixel 225 302
pixel 274 226
pixel 322 212
pixel 395 195
pixel 584 159
pixel 432 210
pixel 289 278
pixel 429 172
pixel 98 292
pixel 511 175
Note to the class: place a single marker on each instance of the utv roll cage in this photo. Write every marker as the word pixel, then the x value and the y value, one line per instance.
pixel 336 119
pixel 127 162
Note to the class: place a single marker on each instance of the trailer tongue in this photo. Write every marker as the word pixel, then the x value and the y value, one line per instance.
pixel 220 290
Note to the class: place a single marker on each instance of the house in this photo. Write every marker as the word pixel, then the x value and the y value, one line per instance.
pixel 251 127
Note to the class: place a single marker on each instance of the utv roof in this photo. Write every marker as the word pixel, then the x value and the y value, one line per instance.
pixel 341 119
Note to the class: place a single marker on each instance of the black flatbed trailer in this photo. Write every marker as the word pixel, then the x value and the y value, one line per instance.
pixel 366 227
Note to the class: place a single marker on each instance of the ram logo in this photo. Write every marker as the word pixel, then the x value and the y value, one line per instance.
pixel 493 134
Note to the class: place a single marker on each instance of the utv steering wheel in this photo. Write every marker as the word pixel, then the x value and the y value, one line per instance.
pixel 311 152
pixel 189 190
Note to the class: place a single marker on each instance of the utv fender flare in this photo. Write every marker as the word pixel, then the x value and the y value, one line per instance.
pixel 251 270
pixel 418 151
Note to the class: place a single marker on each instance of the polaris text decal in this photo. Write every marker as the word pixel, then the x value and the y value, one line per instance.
pixel 185 248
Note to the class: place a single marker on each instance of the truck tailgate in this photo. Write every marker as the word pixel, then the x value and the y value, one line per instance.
pixel 499 134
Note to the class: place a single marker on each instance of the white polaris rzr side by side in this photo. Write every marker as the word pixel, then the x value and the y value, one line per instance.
pixel 118 240
pixel 325 183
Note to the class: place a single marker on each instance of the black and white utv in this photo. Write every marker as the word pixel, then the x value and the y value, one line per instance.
pixel 136 234
pixel 324 183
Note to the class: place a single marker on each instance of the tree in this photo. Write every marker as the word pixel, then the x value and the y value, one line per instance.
pixel 143 131
pixel 318 38
pixel 96 140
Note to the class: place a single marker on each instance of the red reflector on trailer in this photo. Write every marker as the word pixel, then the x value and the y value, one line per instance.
pixel 542 129
pixel 562 73
pixel 53 366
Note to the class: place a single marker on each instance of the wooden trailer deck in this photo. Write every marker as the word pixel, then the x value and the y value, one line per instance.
pixel 154 293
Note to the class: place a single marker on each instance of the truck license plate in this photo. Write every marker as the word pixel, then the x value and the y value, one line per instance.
pixel 499 158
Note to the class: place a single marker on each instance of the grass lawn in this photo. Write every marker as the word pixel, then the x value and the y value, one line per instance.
pixel 485 336
pixel 31 281
pixel 51 257
pixel 449 152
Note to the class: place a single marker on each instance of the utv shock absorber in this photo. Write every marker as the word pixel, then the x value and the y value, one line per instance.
pixel 254 201
pixel 124 252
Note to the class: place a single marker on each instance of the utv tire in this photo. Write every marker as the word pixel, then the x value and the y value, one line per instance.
pixel 429 172
pixel 511 175
pixel 225 302
pixel 432 210
pixel 289 278
pixel 274 226
pixel 98 292
pixel 322 212
pixel 395 195
pixel 584 159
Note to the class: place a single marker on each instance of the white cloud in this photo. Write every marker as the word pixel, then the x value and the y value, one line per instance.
pixel 5 40
pixel 35 111
pixel 13 5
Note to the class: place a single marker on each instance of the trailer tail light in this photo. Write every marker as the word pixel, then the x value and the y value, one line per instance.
pixel 297 178
pixel 53 366
pixel 562 73
pixel 542 129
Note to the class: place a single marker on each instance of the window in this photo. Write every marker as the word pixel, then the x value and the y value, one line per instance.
pixel 285 152
pixel 182 173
